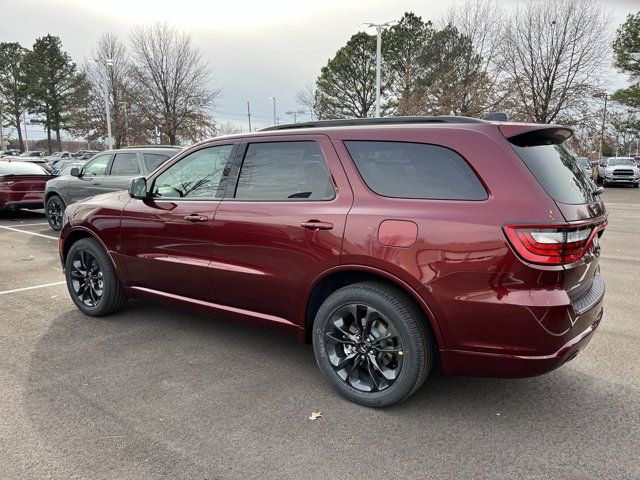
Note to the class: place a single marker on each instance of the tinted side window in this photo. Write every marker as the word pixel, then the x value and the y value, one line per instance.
pixel 415 170
pixel 153 160
pixel 284 171
pixel 198 175
pixel 97 166
pixel 125 164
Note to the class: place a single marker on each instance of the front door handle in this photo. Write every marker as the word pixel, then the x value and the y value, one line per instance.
pixel 193 217
pixel 316 225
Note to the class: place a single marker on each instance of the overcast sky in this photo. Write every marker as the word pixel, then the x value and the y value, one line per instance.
pixel 256 49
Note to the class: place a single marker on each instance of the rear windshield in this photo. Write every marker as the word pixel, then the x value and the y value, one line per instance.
pixel 21 168
pixel 415 170
pixel 622 161
pixel 559 173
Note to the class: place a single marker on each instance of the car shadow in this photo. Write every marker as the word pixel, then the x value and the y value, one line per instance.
pixel 166 393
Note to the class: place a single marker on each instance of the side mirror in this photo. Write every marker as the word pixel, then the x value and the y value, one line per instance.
pixel 75 172
pixel 138 188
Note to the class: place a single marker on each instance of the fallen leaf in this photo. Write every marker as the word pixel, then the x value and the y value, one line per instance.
pixel 315 415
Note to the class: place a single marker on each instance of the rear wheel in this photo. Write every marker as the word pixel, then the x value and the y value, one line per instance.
pixel 371 344
pixel 54 210
pixel 91 279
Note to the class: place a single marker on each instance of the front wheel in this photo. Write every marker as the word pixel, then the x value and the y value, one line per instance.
pixel 54 209
pixel 372 344
pixel 91 279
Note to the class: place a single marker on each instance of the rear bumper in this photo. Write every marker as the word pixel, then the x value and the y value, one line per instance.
pixel 458 362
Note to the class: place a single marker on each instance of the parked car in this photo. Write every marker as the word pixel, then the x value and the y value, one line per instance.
pixel 31 153
pixel 391 244
pixel 10 153
pixel 585 164
pixel 106 172
pixel 22 185
pixel 58 165
pixel 66 170
pixel 619 170
pixel 57 156
pixel 84 154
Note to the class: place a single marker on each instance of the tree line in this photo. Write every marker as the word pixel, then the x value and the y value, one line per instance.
pixel 158 78
pixel 543 62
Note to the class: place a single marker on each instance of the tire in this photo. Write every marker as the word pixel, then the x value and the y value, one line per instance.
pixel 102 294
pixel 409 355
pixel 54 210
pixel 636 185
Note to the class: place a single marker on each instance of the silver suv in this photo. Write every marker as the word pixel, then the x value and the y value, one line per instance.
pixel 106 172
pixel 618 170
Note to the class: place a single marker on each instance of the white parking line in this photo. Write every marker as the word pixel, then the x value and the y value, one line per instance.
pixel 32 288
pixel 29 233
pixel 32 224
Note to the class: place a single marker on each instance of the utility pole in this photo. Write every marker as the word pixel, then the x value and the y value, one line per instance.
pixel 126 123
pixel 275 118
pixel 379 27
pixel 106 63
pixel 604 117
pixel 249 115
pixel 295 114
pixel 24 122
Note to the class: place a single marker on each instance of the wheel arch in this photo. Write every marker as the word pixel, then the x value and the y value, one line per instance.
pixel 78 233
pixel 338 277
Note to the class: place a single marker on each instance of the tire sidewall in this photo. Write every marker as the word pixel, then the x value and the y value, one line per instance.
pixel 409 373
pixel 46 210
pixel 108 277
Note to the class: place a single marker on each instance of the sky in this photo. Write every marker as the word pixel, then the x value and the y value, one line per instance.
pixel 256 49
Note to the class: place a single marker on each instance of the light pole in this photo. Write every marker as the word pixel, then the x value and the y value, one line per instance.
pixel 126 123
pixel 26 140
pixel 275 118
pixel 106 63
pixel 295 114
pixel 378 27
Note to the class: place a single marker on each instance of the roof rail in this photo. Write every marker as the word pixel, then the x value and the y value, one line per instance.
pixel 497 117
pixel 153 146
pixel 350 122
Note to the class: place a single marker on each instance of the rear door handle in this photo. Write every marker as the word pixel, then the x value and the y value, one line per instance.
pixel 193 217
pixel 316 225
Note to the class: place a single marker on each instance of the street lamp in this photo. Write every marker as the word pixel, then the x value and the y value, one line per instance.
pixel 378 27
pixel 126 123
pixel 106 63
pixel 275 118
pixel 295 114
pixel 602 93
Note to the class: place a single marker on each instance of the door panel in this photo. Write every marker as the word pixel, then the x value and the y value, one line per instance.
pixel 89 183
pixel 124 167
pixel 168 236
pixel 266 252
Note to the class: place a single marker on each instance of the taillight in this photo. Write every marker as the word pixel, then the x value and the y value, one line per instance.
pixel 553 244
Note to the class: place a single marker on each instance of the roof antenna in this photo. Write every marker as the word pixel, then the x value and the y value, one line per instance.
pixel 496 117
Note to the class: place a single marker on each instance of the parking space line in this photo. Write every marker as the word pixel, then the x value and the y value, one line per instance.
pixel 29 233
pixel 32 288
pixel 33 224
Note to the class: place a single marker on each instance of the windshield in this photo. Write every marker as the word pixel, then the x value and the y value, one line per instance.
pixel 25 154
pixel 559 173
pixel 622 161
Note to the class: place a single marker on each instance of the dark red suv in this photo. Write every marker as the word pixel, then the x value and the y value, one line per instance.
pixel 391 244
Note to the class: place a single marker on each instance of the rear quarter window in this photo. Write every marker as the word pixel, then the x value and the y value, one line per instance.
pixel 559 173
pixel 415 170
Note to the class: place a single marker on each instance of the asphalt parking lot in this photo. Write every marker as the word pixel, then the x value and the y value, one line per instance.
pixel 159 393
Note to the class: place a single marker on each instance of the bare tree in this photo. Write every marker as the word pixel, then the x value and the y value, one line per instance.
pixel 171 82
pixel 90 114
pixel 483 22
pixel 553 53
pixel 307 100
pixel 226 128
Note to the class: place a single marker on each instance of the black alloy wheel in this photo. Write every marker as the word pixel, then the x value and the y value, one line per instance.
pixel 364 348
pixel 55 212
pixel 373 343
pixel 87 278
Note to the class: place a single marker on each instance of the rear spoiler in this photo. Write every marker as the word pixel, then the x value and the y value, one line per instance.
pixel 530 135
